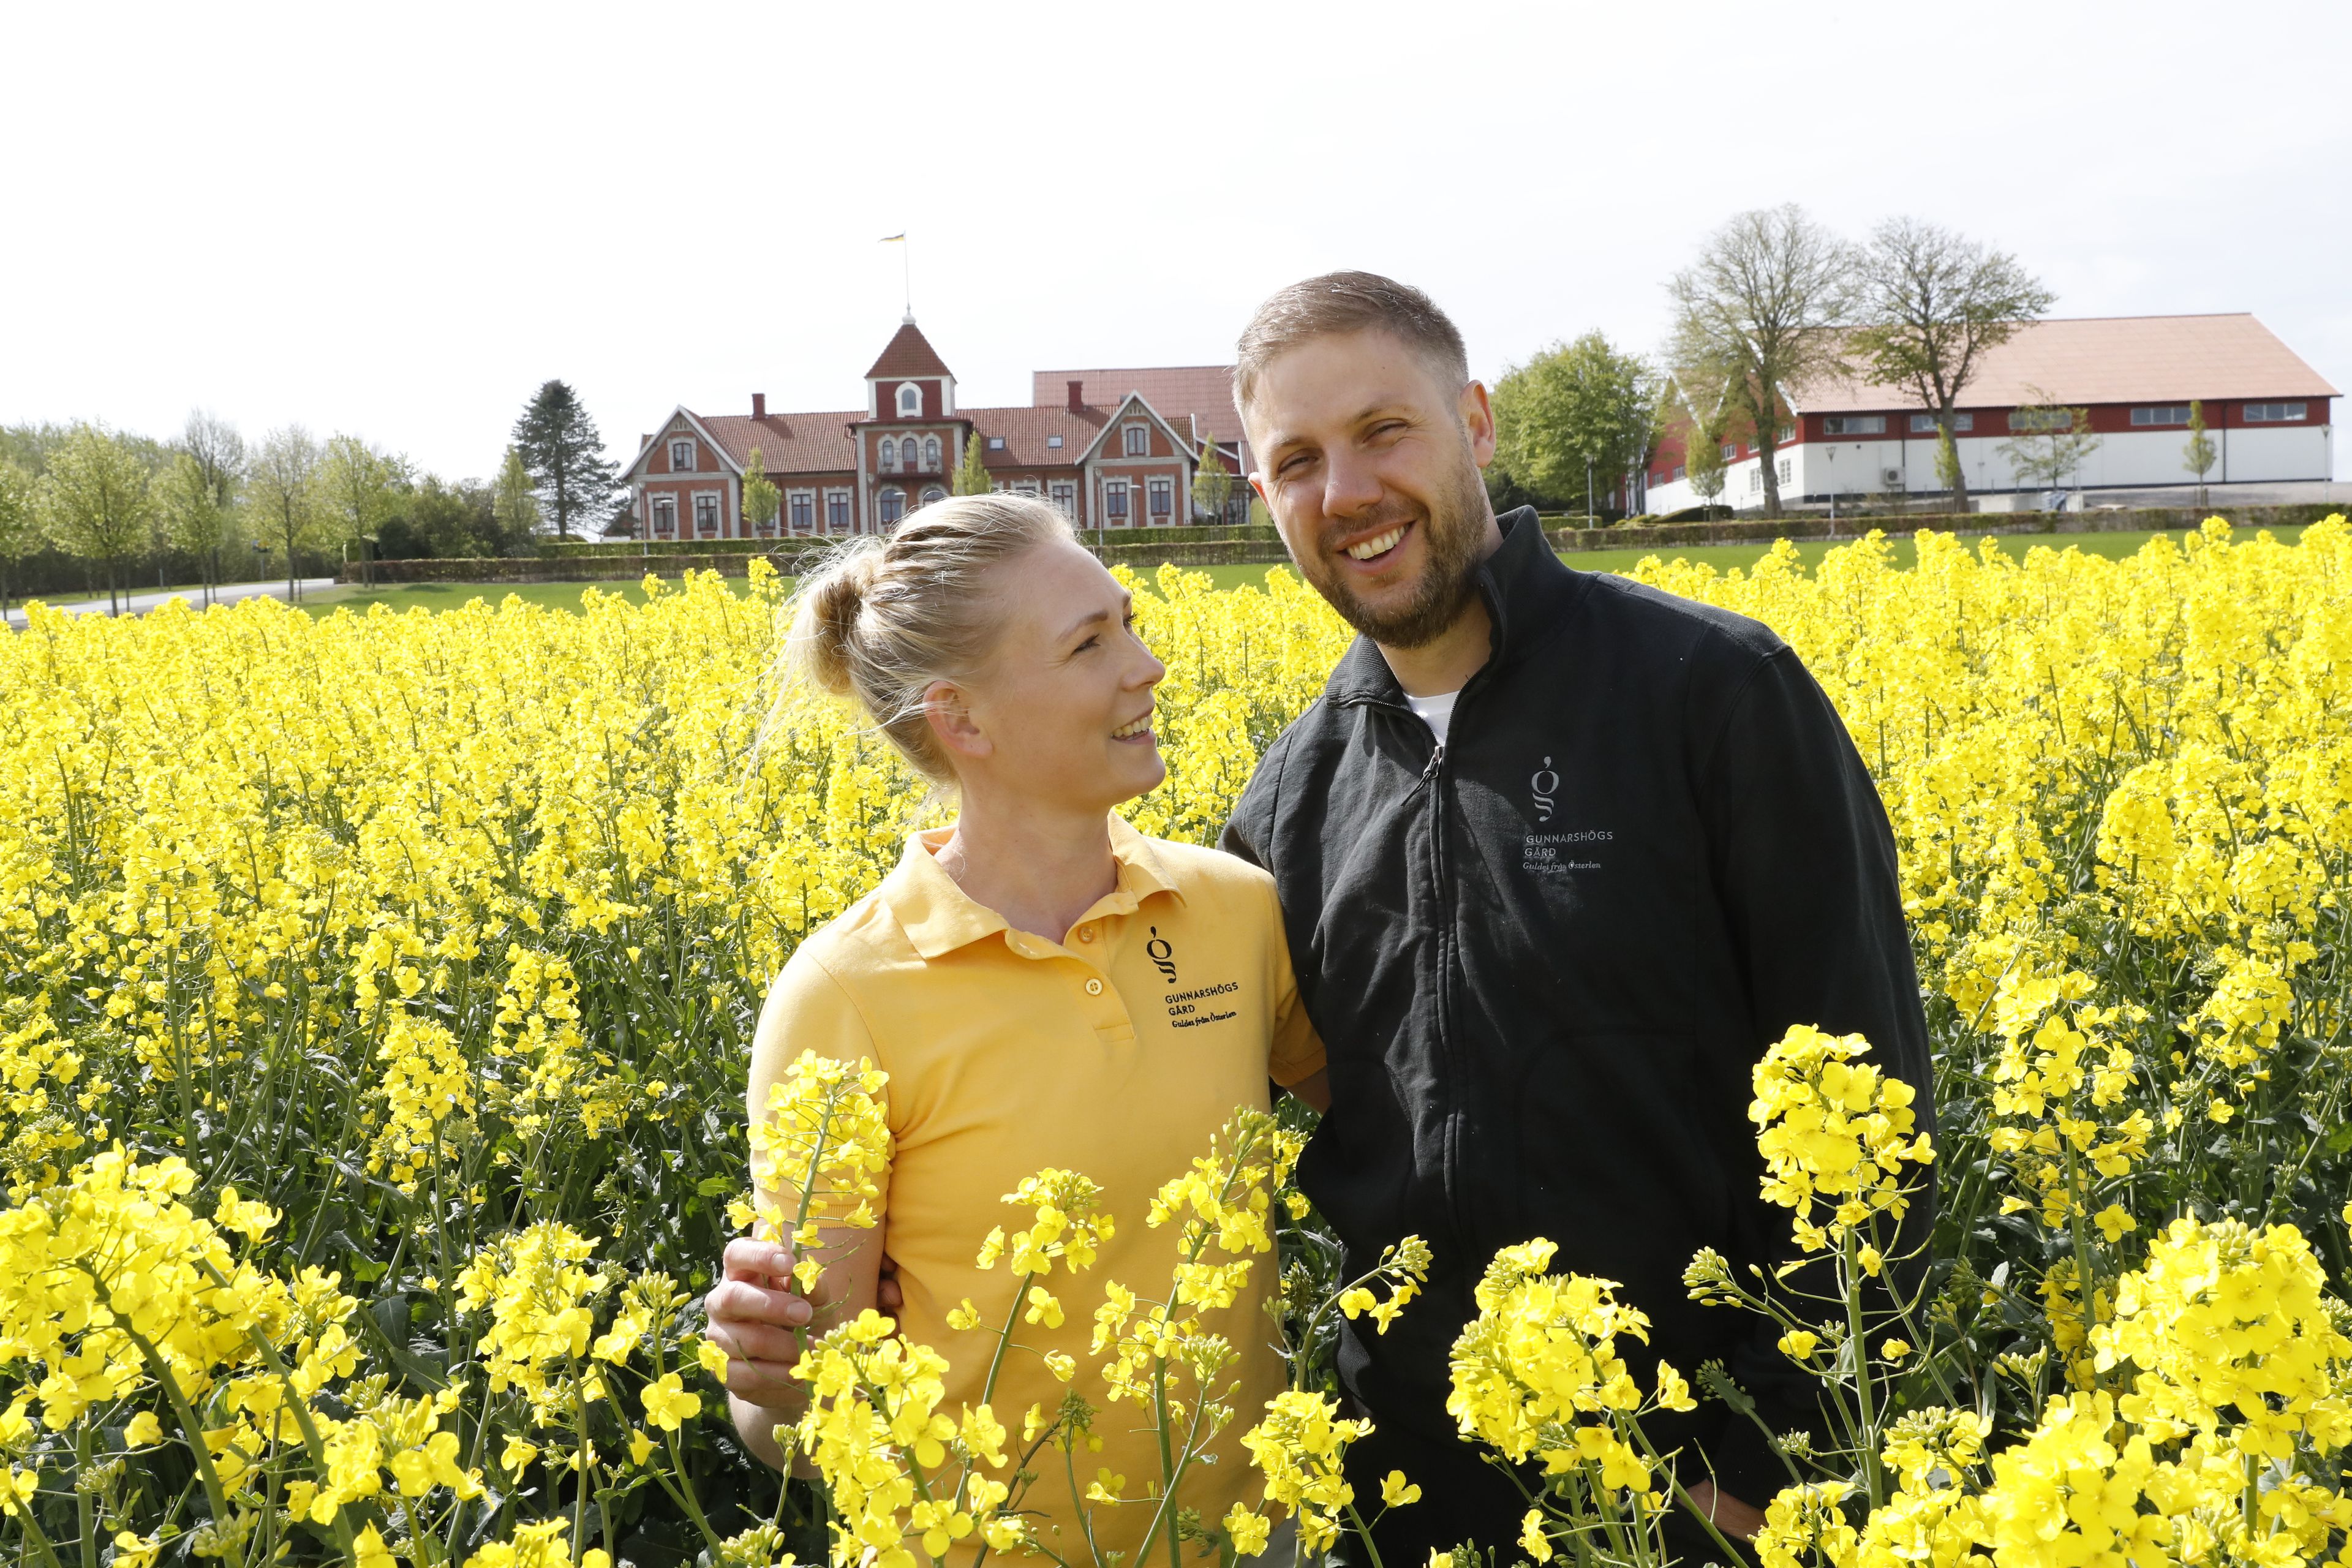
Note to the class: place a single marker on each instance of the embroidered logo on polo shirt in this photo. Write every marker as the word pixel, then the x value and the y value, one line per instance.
pixel 1164 955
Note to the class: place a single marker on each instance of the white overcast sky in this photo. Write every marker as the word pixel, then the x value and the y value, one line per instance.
pixel 398 220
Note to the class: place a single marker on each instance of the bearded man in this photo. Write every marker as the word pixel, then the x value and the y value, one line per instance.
pixel 1559 855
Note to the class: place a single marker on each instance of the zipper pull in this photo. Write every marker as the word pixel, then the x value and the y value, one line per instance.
pixel 1436 758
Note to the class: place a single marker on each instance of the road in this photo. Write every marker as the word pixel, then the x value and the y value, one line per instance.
pixel 139 603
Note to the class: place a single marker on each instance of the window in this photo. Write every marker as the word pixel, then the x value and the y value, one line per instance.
pixel 1730 452
pixel 910 400
pixel 1162 494
pixel 766 527
pixel 1065 495
pixel 1115 501
pixel 681 456
pixel 1784 471
pixel 1925 424
pixel 836 511
pixel 889 456
pixel 1053 441
pixel 932 493
pixel 800 514
pixel 2041 419
pixel 996 443
pixel 1138 439
pixel 1678 470
pixel 1788 433
pixel 2275 412
pixel 894 504
pixel 1756 479
pixel 1855 425
pixel 931 454
pixel 2162 414
pixel 706 516
pixel 665 517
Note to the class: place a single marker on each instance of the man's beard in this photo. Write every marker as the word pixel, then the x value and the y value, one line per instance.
pixel 1450 536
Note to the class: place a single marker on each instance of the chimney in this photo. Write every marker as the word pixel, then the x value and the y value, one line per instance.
pixel 759 405
pixel 1078 395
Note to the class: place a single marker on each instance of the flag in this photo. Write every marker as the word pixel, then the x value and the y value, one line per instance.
pixel 891 239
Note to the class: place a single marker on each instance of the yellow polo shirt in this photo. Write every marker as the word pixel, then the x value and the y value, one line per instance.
pixel 1116 1052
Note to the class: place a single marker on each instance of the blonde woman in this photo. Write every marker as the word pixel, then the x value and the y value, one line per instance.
pixel 1019 976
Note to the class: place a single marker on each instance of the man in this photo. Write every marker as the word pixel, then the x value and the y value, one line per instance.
pixel 1559 856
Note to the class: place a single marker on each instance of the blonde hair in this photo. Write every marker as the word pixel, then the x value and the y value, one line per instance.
pixel 885 618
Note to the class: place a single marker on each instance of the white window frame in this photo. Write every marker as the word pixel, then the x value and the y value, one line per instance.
pixel 996 443
pixel 2160 415
pixel 1135 440
pixel 1064 493
pixel 931 454
pixel 882 500
pixel 718 514
pixel 1114 504
pixel 885 457
pixel 1156 491
pixel 1730 452
pixel 898 400
pixel 693 461
pixel 1788 471
pixel 1855 425
pixel 665 517
pixel 2276 413
pixel 793 501
pixel 1925 424
pixel 840 512
pixel 1053 441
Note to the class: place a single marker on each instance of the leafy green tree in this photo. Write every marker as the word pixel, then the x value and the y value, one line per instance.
pixel 1703 463
pixel 283 492
pixel 761 497
pixel 1573 411
pixel 2200 455
pixel 96 501
pixel 1932 304
pixel 193 518
pixel 971 475
pixel 565 456
pixel 1753 317
pixel 514 505
pixel 2051 442
pixel 1212 483
pixel 360 489
pixel 20 524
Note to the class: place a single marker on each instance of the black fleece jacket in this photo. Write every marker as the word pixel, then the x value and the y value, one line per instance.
pixel 1544 957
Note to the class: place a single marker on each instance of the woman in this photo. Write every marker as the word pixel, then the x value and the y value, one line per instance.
pixel 1027 978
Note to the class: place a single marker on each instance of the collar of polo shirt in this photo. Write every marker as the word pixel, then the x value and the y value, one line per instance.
pixel 939 915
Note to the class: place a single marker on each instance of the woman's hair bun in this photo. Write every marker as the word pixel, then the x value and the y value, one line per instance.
pixel 823 633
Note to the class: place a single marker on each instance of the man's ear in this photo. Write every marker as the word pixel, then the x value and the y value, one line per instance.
pixel 1478 419
pixel 945 710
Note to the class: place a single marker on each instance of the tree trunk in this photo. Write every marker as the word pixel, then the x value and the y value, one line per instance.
pixel 1959 470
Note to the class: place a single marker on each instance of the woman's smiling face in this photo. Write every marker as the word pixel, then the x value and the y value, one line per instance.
pixel 1062 711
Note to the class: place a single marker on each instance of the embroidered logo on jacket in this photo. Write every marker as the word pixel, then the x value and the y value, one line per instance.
pixel 1546 784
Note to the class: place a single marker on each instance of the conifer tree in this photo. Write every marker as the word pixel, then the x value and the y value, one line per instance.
pixel 761 497
pixel 559 445
pixel 1212 485
pixel 972 476
pixel 2197 456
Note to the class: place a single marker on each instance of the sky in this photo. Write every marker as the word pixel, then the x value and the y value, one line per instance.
pixel 397 221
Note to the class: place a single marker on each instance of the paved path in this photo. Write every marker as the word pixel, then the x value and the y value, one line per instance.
pixel 226 594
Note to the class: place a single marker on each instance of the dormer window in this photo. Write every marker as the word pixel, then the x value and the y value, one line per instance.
pixel 910 401
pixel 996 443
pixel 681 456
pixel 1053 441
pixel 1138 439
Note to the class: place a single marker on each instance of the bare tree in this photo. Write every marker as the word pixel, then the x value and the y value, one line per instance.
pixel 284 487
pixel 1753 317
pixel 1932 303
pixel 2051 442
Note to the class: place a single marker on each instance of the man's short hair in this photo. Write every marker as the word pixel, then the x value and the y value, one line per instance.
pixel 1347 303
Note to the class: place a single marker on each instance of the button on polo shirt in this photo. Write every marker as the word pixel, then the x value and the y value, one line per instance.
pixel 1116 1052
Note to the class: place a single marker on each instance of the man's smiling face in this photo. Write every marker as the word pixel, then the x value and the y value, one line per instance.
pixel 1370 465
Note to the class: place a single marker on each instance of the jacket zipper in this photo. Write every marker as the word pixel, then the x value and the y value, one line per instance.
pixel 1436 776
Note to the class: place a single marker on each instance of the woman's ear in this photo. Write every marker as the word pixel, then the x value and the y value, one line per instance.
pixel 951 720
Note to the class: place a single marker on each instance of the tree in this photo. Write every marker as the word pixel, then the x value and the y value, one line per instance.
pixel 360 488
pixel 2051 442
pixel 283 486
pixel 513 504
pixel 20 524
pixel 1752 316
pixel 971 475
pixel 565 457
pixel 761 497
pixel 2199 455
pixel 1932 304
pixel 1948 467
pixel 1573 411
pixel 95 501
pixel 219 452
pixel 1703 463
pixel 193 518
pixel 1212 484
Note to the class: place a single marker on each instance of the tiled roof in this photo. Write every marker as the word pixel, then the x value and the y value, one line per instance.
pixel 2109 359
pixel 1026 431
pixel 1203 391
pixel 788 443
pixel 909 353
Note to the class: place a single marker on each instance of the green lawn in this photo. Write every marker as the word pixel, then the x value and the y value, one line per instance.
pixel 1723 557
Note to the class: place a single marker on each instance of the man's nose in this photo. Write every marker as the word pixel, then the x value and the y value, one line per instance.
pixel 1349 485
